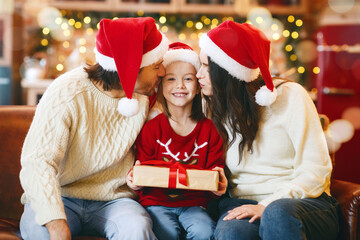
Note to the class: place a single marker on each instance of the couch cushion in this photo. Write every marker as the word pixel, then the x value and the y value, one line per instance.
pixel 14 124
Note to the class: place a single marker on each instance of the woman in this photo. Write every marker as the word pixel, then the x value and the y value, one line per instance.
pixel 278 162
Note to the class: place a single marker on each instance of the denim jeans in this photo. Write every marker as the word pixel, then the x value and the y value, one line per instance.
pixel 283 219
pixel 173 222
pixel 122 219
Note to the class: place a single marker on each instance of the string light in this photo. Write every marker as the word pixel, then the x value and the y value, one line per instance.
pixel 87 20
pixel 207 21
pixel 294 35
pixel 78 25
pixel 182 36
pixel 59 67
pixel 286 33
pixel 164 29
pixel 301 69
pixel 44 42
pixel 299 23
pixel 189 24
pixel 140 13
pixel 71 21
pixel 291 18
pixel 316 70
pixel 46 31
pixel 66 44
pixel 199 25
pixel 288 48
pixel 58 20
pixel 82 49
pixel 162 19
pixel 89 31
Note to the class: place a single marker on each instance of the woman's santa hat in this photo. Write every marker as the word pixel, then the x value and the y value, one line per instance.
pixel 181 52
pixel 125 45
pixel 243 51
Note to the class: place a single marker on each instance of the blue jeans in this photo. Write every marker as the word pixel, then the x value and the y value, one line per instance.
pixel 122 219
pixel 173 222
pixel 283 219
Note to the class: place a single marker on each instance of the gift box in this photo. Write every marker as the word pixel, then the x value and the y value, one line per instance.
pixel 153 176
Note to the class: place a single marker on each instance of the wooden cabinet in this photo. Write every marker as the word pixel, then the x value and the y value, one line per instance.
pixel 223 7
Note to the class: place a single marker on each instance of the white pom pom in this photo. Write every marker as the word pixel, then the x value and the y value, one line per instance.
pixel 265 97
pixel 128 107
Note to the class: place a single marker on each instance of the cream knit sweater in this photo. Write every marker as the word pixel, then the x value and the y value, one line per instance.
pixel 290 157
pixel 78 146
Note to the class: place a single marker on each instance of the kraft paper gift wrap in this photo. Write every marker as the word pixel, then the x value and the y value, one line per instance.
pixel 151 176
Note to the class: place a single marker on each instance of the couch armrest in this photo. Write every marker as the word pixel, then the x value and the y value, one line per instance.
pixel 348 196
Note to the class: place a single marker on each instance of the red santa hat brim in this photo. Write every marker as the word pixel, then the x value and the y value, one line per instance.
pixel 183 55
pixel 234 68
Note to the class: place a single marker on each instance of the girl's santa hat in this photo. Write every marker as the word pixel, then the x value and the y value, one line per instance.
pixel 181 52
pixel 243 51
pixel 125 45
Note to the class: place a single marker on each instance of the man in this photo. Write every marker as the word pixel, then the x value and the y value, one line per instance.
pixel 79 147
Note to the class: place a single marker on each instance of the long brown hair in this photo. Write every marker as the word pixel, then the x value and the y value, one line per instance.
pixel 109 79
pixel 233 104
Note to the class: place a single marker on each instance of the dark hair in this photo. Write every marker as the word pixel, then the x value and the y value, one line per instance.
pixel 233 103
pixel 196 109
pixel 109 79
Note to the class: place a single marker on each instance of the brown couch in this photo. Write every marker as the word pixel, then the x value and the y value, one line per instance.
pixel 14 124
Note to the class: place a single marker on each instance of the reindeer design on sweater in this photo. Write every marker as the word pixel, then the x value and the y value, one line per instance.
pixel 176 157
pixel 173 194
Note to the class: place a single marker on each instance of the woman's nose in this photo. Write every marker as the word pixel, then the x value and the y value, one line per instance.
pixel 198 74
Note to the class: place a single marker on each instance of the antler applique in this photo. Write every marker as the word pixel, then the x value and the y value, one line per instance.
pixel 197 147
pixel 168 152
pixel 187 157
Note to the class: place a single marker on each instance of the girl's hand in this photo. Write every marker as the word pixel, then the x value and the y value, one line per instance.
pixel 130 177
pixel 253 212
pixel 222 182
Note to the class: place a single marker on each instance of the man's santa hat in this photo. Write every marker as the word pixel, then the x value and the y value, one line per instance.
pixel 243 51
pixel 181 52
pixel 125 45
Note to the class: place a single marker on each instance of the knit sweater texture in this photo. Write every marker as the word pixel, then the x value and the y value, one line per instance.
pixel 290 158
pixel 77 146
pixel 202 147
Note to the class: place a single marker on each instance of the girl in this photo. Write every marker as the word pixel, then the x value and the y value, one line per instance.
pixel 279 166
pixel 180 134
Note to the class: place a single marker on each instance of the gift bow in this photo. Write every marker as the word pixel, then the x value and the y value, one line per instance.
pixel 173 167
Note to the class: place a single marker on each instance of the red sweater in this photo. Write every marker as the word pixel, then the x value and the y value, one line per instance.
pixel 158 141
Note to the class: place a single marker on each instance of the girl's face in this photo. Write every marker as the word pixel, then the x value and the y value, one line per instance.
pixel 204 76
pixel 180 85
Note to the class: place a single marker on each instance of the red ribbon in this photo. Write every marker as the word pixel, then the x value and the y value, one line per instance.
pixel 173 167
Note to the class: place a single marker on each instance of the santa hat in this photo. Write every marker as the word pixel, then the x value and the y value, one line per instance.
pixel 243 51
pixel 125 45
pixel 181 52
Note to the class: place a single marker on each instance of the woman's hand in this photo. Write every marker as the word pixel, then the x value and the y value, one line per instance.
pixel 130 177
pixel 253 212
pixel 222 182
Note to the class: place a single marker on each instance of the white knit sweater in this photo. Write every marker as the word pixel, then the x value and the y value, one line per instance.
pixel 290 158
pixel 78 146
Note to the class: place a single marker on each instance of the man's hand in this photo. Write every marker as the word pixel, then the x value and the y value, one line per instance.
pixel 253 212
pixel 130 177
pixel 222 182
pixel 58 230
